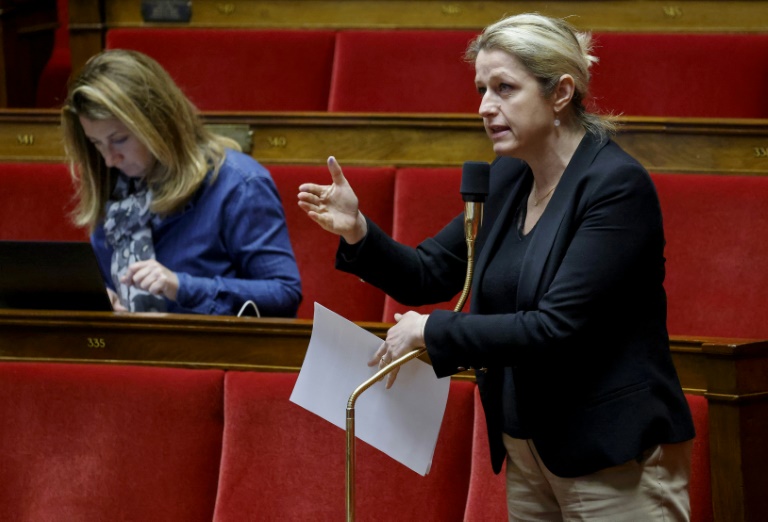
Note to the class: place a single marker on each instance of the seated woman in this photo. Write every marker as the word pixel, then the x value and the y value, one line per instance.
pixel 181 220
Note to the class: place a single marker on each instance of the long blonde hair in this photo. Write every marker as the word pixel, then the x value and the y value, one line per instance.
pixel 548 48
pixel 136 90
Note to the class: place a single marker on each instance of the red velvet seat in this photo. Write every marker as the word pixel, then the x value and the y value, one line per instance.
pixel 403 71
pixel 240 69
pixel 700 487
pixel 682 75
pixel 281 462
pixel 487 496
pixel 315 249
pixel 426 199
pixel 35 202
pixel 716 249
pixel 487 492
pixel 96 442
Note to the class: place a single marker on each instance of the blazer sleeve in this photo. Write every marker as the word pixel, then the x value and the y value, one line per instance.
pixel 433 272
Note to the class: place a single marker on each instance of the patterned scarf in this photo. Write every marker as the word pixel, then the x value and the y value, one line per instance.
pixel 128 232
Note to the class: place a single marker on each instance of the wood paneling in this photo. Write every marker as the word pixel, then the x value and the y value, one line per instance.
pixel 193 341
pixel 86 30
pixel 30 135
pixel 601 15
pixel 661 145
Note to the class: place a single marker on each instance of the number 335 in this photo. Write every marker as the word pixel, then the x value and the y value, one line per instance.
pixel 95 342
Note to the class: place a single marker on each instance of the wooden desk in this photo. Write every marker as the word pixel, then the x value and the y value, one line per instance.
pixel 732 374
pixel 156 339
pixel 661 144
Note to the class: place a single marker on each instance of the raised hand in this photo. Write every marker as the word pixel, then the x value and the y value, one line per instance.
pixel 334 207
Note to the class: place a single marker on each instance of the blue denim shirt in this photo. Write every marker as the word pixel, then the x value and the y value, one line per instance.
pixel 228 245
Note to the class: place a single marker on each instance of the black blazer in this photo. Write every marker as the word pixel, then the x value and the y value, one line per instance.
pixel 588 348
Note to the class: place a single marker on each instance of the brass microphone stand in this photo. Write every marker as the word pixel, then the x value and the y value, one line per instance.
pixel 473 217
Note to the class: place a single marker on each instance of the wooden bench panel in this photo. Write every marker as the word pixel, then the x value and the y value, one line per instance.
pixel 615 15
pixel 660 144
pixel 30 135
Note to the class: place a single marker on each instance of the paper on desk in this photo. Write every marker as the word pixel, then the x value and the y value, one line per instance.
pixel 403 422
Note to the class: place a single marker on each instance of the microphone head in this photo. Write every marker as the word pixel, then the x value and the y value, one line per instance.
pixel 474 180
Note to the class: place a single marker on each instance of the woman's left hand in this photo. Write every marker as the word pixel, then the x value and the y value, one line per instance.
pixel 152 277
pixel 404 337
pixel 117 306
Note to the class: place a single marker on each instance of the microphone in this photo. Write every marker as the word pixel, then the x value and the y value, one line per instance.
pixel 474 189
pixel 474 180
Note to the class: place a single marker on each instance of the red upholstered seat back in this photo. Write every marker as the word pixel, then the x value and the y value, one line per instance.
pixel 487 492
pixel 281 462
pixel 240 70
pixel 403 71
pixel 682 75
pixel 35 203
pixel 487 497
pixel 315 249
pixel 426 199
pixel 93 442
pixel 716 250
pixel 700 487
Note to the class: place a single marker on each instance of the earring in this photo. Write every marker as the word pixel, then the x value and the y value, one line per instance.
pixel 557 122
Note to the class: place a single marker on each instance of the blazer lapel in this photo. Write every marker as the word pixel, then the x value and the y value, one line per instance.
pixel 532 286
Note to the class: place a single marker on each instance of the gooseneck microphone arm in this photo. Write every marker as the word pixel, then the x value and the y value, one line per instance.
pixel 474 189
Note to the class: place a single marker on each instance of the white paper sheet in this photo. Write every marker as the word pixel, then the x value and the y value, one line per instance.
pixel 403 422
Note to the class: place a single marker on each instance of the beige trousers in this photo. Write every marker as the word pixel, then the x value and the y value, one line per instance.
pixel 649 489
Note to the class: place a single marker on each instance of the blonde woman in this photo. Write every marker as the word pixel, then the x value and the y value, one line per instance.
pixel 567 325
pixel 181 220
